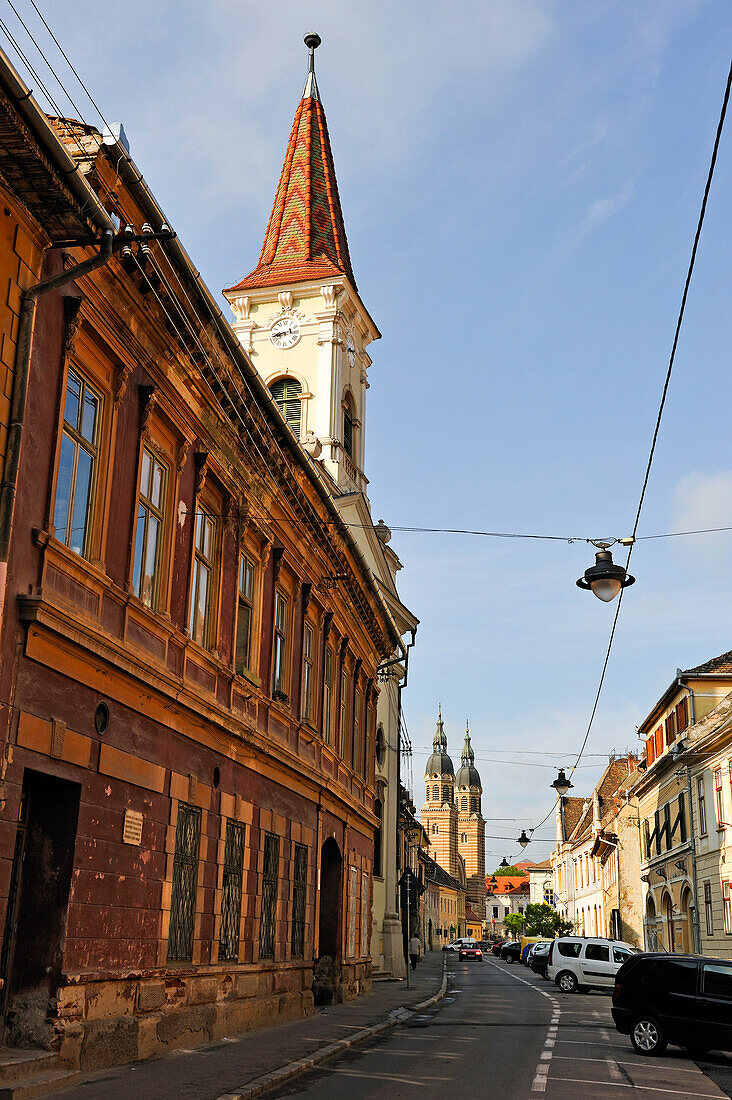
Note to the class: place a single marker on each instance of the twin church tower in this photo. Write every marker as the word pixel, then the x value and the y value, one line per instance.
pixel 452 814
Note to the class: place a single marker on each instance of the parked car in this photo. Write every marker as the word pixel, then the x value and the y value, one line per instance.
pixel 681 999
pixel 592 962
pixel 496 947
pixel 511 951
pixel 540 957
pixel 484 945
pixel 470 951
pixel 457 944
pixel 531 951
pixel 526 943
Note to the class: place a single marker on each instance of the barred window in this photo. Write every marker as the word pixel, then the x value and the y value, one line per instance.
pixel 185 881
pixel 231 892
pixel 268 916
pixel 299 892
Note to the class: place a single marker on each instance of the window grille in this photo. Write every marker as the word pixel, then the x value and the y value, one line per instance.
pixel 185 881
pixel 286 393
pixel 77 464
pixel 231 892
pixel 268 916
pixel 299 891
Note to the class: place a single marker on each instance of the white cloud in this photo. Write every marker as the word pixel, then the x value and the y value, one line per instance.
pixel 702 501
pixel 602 209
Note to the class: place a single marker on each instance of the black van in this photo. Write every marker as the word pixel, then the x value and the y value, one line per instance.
pixel 681 999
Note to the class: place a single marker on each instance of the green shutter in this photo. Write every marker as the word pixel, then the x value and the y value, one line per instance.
pixel 286 393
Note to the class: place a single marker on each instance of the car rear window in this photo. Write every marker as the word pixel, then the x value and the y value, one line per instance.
pixel 598 951
pixel 569 949
pixel 717 979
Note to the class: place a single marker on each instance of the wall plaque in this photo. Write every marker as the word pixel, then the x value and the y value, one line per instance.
pixel 132 831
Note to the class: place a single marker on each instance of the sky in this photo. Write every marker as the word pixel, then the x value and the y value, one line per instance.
pixel 520 182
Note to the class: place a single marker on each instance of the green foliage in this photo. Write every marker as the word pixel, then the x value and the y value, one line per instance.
pixel 564 927
pixel 514 922
pixel 514 871
pixel 543 920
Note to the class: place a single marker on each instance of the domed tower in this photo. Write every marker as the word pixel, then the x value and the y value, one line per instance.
pixel 439 813
pixel 470 821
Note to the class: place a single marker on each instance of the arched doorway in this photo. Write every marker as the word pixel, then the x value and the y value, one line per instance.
pixel 326 981
pixel 429 934
pixel 670 929
pixel 651 928
pixel 687 927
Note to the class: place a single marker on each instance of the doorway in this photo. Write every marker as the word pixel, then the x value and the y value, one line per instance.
pixel 326 978
pixel 35 922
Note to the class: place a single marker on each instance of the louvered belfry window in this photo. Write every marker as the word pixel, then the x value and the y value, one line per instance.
pixel 286 392
pixel 185 876
pixel 231 892
pixel 269 896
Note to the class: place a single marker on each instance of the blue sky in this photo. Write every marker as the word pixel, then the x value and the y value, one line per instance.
pixel 520 182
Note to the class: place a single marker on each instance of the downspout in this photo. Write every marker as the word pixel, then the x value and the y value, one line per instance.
pixel 29 302
pixel 696 929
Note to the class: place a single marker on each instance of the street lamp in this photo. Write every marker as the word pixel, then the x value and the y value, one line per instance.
pixel 493 882
pixel 561 784
pixel 504 863
pixel 605 578
pixel 523 840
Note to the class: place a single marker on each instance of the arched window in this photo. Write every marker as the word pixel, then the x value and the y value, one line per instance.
pixel 464 803
pixel 435 830
pixel 435 793
pixel 286 393
pixel 463 838
pixel 473 805
pixel 380 747
pixel 348 427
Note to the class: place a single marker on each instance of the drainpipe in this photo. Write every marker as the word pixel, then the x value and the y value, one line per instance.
pixel 20 391
pixel 696 930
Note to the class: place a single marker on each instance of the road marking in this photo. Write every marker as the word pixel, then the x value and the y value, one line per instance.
pixel 638 1088
pixel 649 1066
pixel 545 1057
pixel 613 1069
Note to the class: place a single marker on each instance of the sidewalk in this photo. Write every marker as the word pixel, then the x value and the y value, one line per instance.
pixel 233 1068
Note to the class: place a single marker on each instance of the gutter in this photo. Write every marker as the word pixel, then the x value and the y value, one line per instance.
pixel 127 168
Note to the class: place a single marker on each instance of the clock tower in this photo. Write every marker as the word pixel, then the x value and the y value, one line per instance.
pixel 301 320
pixel 299 314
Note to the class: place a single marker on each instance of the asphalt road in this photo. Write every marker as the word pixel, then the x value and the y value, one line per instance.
pixel 503 1032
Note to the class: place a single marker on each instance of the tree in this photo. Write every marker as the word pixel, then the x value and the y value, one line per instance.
pixel 514 923
pixel 515 872
pixel 543 920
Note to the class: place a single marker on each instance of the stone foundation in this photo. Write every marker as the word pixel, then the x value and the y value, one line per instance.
pixel 106 1022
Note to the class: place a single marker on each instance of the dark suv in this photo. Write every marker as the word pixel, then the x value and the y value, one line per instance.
pixel 681 999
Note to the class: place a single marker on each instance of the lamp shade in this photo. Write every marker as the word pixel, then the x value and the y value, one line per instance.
pixel 605 578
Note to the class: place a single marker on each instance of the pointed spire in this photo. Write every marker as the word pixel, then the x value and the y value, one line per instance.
pixel 467 758
pixel 439 741
pixel 310 91
pixel 305 237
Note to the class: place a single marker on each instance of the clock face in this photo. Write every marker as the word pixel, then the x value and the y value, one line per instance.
pixel 285 333
pixel 351 351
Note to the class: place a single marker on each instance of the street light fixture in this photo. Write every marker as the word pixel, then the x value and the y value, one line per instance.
pixel 523 840
pixel 504 863
pixel 561 784
pixel 605 578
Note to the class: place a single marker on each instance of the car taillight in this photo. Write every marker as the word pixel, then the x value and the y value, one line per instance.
pixel 479 954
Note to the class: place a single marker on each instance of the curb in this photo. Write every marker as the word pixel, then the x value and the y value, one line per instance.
pixel 302 1065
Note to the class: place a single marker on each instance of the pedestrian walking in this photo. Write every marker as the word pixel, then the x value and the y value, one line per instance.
pixel 414 948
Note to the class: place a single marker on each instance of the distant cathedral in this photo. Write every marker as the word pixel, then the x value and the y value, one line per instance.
pixel 452 815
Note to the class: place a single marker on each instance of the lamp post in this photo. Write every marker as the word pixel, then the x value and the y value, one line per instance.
pixel 605 578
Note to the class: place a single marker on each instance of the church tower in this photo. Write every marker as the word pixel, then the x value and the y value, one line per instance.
pixel 439 813
pixel 470 822
pixel 299 314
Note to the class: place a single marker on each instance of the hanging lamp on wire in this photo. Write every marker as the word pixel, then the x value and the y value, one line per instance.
pixel 605 578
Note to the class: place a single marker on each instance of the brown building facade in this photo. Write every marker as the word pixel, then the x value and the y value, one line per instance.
pixel 188 669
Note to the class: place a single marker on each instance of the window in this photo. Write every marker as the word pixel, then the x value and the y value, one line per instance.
pixel 682 715
pixel 659 740
pixel 150 509
pixel 727 906
pixel 328 695
pixel 445 794
pixel 378 835
pixel 308 646
pixel 667 824
pixel 365 909
pixel 344 711
pixel 77 464
pixel 202 585
pixel 473 805
pixel 681 820
pixel 245 614
pixel 352 901
pixel 356 743
pixel 279 668
pixel 435 793
pixel 569 949
pixel 677 976
pixel 671 727
pixel 708 911
pixel 719 797
pixel 286 393
pixel 435 830
pixel 185 881
pixel 599 952
pixel 348 430
pixel 717 980
pixel 701 797
pixel 299 891
pixel 269 896
pixel 464 803
pixel 463 838
pixel 495 912
pixel 231 892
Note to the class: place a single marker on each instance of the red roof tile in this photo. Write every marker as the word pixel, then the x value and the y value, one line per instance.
pixel 306 237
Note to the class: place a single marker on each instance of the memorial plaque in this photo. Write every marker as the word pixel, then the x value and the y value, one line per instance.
pixel 132 831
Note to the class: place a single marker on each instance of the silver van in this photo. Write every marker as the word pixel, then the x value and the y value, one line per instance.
pixel 586 961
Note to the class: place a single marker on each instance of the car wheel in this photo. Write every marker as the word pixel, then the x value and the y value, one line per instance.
pixel 567 982
pixel 510 959
pixel 647 1036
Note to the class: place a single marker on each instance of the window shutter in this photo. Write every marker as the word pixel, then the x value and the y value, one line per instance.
pixel 286 393
pixel 659 740
pixel 650 750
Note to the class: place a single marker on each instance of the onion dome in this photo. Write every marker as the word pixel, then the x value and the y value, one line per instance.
pixel 439 763
pixel 467 774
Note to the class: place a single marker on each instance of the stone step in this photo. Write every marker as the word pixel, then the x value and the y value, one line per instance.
pixel 40 1085
pixel 18 1064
